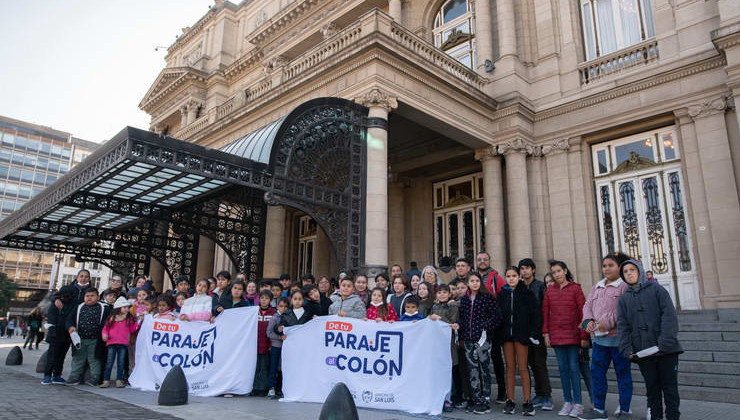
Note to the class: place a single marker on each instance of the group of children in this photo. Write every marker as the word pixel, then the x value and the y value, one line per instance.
pixel 624 316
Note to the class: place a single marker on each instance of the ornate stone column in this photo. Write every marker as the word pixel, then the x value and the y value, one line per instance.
pixel 517 197
pixel 394 9
pixel 376 213
pixel 493 193
pixel 723 206
pixel 396 223
pixel 559 192
pixel 483 33
pixel 274 242
pixel 506 27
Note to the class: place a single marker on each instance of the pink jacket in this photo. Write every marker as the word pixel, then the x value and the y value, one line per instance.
pixel 119 332
pixel 602 302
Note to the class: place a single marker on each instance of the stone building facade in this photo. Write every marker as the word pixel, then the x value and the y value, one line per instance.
pixel 551 129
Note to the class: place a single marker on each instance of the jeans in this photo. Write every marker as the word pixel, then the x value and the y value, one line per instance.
pixel 601 357
pixel 569 373
pixel 31 336
pixel 274 366
pixel 117 352
pixel 81 357
pixel 661 382
pixel 584 365
pixel 55 358
pixel 537 359
pixel 479 366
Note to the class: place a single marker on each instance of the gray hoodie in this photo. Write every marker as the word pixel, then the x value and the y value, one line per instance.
pixel 353 306
pixel 646 317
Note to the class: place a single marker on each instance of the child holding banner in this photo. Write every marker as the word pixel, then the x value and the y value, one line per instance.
pixel 411 310
pixel 297 315
pixel 348 304
pixel 401 286
pixel 379 309
pixel 447 310
pixel 266 313
pixel 478 313
pixel 198 307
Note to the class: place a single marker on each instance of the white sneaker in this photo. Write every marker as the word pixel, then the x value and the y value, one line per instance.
pixel 647 416
pixel 271 393
pixel 576 411
pixel 565 410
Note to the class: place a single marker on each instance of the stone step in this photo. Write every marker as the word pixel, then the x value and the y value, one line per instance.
pixel 713 346
pixel 709 336
pixel 688 366
pixel 698 316
pixel 710 326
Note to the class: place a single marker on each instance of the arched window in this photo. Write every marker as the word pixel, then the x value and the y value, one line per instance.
pixel 454 31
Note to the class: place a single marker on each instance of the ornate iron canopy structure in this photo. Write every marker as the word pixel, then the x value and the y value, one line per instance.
pixel 143 196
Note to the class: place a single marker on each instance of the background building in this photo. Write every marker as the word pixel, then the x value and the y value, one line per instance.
pixel 33 157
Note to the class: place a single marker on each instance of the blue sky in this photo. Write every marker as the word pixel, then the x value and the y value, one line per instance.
pixel 83 66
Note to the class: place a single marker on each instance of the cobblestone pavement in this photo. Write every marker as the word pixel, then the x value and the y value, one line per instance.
pixel 23 397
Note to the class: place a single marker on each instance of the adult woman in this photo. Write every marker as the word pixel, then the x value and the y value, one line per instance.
pixel 429 275
pixel 561 313
pixel 324 286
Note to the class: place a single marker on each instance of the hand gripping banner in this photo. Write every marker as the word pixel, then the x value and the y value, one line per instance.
pixel 402 366
pixel 218 358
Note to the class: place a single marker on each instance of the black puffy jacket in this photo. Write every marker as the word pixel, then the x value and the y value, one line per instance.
pixel 519 318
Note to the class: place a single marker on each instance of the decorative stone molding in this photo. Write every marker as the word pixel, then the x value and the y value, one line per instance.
pixel 377 98
pixel 558 146
pixel 273 63
pixel 517 145
pixel 708 107
pixel 486 153
pixel 329 30
pixel 727 36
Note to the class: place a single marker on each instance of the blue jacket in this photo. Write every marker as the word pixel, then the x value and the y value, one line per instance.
pixel 416 317
pixel 646 317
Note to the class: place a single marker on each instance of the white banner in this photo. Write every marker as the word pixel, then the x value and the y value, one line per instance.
pixel 402 366
pixel 217 359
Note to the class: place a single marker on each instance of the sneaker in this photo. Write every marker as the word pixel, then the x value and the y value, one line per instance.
pixel 271 393
pixel 46 380
pixel 594 414
pixel 647 414
pixel 501 399
pixel 460 405
pixel 105 384
pixel 482 408
pixel 624 415
pixel 58 380
pixel 120 384
pixel 565 410
pixel 509 407
pixel 528 409
pixel 447 408
pixel 547 404
pixel 92 382
pixel 537 401
pixel 576 411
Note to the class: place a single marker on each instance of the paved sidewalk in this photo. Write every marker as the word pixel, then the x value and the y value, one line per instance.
pixel 22 395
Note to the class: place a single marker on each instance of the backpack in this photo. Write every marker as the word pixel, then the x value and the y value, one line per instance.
pixel 489 282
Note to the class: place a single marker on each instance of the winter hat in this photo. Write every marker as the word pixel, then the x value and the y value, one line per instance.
pixel 120 302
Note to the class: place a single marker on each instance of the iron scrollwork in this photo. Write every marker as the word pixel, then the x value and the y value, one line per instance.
pixel 654 222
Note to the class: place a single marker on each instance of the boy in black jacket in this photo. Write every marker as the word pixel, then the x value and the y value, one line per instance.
pixel 87 320
pixel 57 335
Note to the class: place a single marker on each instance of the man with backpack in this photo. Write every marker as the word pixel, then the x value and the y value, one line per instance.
pixel 493 282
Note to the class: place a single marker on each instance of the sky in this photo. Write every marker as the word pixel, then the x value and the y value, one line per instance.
pixel 83 66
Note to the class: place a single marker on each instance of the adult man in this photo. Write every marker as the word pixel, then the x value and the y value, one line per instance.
pixel 462 269
pixel 493 282
pixel 537 357
pixel 81 284
pixel 413 270
pixel 396 270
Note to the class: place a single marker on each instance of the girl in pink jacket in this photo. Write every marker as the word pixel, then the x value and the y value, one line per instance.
pixel 600 320
pixel 116 333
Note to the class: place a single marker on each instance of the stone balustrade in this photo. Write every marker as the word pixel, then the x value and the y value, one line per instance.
pixel 627 58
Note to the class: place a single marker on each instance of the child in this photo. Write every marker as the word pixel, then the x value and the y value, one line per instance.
pixel 277 291
pixel 348 304
pixel 109 296
pixel 265 284
pixel 414 281
pixel 165 305
pixel 461 288
pixel 478 313
pixel 117 335
pixel 561 319
pixel 646 319
pixel 600 320
pixel 379 309
pixel 235 299
pixel 316 304
pixel 361 289
pixel 180 299
pixel 381 280
pixel 250 293
pixel 200 306
pixel 446 310
pixel 140 307
pixel 411 310
pixel 266 312
pixel 425 292
pixel 183 286
pixel 87 321
pixel 276 347
pixel 57 336
pixel 401 287
pixel 518 309
pixel 297 315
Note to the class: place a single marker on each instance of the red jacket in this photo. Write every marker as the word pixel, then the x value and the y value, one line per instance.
pixel 562 311
pixel 263 319
pixel 372 313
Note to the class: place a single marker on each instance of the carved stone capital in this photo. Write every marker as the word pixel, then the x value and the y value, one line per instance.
pixel 329 29
pixel 558 146
pixel 517 145
pixel 272 63
pixel 486 153
pixel 708 107
pixel 377 98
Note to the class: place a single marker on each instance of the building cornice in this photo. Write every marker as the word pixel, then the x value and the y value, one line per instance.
pixel 169 81
pixel 263 33
pixel 726 36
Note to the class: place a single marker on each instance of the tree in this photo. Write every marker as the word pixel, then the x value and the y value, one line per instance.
pixel 8 290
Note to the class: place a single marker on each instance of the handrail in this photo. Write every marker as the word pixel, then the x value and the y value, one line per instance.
pixel 618 61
